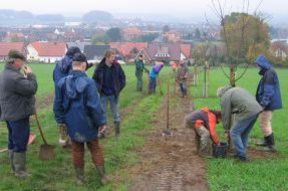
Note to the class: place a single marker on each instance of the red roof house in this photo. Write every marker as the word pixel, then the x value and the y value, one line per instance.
pixel 5 47
pixel 48 52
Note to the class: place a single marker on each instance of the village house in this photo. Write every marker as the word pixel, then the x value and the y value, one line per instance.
pixel 128 50
pixel 48 52
pixel 172 36
pixel 78 44
pixel 5 47
pixel 95 53
pixel 131 33
pixel 279 49
pixel 167 52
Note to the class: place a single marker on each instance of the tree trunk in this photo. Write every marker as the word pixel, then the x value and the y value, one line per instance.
pixel 195 76
pixel 232 75
pixel 206 83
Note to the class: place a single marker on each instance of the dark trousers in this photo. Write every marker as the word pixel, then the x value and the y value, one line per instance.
pixel 183 88
pixel 152 85
pixel 18 135
pixel 78 151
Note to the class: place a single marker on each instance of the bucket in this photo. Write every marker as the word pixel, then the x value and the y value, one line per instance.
pixel 220 151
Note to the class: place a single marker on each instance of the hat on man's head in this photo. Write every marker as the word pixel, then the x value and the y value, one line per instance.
pixel 15 54
pixel 79 57
pixel 72 51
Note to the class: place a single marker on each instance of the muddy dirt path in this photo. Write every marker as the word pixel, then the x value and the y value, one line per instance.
pixel 169 163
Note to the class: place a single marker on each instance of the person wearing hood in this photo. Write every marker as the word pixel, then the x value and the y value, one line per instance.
pixel 78 106
pixel 268 96
pixel 153 74
pixel 17 104
pixel 62 69
pixel 239 104
pixel 110 80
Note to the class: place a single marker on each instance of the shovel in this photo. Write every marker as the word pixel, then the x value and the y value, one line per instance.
pixel 46 150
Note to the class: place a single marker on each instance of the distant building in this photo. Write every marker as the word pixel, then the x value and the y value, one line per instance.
pixel 48 52
pixel 129 50
pixel 167 52
pixel 78 44
pixel 95 53
pixel 131 33
pixel 280 49
pixel 172 36
pixel 5 47
pixel 14 37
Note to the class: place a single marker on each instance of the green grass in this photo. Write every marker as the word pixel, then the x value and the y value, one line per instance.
pixel 58 174
pixel 222 174
pixel 261 174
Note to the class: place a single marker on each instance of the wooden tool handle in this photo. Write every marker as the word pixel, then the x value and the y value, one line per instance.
pixel 40 128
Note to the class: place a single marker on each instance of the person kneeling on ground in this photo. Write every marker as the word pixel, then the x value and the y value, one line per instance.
pixel 78 106
pixel 204 123
pixel 244 108
pixel 17 103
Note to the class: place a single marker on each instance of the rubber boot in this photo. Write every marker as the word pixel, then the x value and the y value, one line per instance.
pixel 117 129
pixel 80 179
pixel 19 162
pixel 271 143
pixel 10 158
pixel 102 173
pixel 263 143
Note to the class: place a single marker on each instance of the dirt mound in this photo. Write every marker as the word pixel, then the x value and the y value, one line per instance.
pixel 170 163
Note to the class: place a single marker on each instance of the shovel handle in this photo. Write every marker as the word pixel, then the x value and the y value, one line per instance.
pixel 40 128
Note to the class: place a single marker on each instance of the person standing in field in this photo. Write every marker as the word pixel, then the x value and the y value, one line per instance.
pixel 110 79
pixel 204 123
pixel 239 104
pixel 140 67
pixel 17 104
pixel 61 70
pixel 78 106
pixel 268 96
pixel 153 74
pixel 181 78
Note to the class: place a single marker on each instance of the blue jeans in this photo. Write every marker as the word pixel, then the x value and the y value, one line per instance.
pixel 114 106
pixel 239 134
pixel 18 135
pixel 152 85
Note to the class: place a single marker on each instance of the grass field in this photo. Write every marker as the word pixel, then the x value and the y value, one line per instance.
pixel 261 174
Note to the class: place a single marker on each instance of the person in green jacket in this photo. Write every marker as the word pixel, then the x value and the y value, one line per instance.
pixel 139 72
pixel 239 104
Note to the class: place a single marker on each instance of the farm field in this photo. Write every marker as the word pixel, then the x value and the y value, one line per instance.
pixel 141 115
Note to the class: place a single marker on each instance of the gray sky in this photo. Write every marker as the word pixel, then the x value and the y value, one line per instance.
pixel 178 8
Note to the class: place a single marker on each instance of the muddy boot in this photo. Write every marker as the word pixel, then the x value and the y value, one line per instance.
pixel 19 162
pixel 270 144
pixel 263 143
pixel 117 129
pixel 80 179
pixel 10 159
pixel 102 173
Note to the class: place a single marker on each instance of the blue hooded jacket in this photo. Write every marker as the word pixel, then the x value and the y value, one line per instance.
pixel 77 104
pixel 268 92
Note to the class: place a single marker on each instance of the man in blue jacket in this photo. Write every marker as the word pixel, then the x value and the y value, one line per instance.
pixel 269 97
pixel 62 69
pixel 78 106
pixel 110 80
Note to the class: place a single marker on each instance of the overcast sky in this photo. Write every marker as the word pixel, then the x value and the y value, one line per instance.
pixel 178 8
